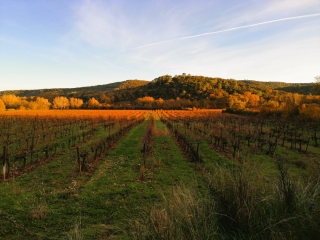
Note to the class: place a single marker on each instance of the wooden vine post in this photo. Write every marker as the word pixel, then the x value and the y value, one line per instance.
pixel 198 155
pixel 4 166
pixel 79 160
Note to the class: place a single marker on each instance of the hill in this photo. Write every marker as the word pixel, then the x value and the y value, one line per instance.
pixel 177 92
pixel 301 88
pixel 167 87
pixel 81 92
pixel 200 87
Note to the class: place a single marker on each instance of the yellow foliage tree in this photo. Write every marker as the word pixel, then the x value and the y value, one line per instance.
pixel 253 99
pixel 159 102
pixel 76 102
pixel 270 106
pixel 61 102
pixel 11 100
pixel 93 103
pixel 42 103
pixel 2 106
pixel 145 101
pixel 237 102
pixel 311 111
pixel 25 105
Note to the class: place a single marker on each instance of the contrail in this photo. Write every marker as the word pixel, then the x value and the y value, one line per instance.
pixel 231 29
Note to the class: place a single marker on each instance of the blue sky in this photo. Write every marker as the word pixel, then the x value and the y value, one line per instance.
pixel 74 43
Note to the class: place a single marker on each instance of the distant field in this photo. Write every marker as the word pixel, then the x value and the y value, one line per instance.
pixel 134 174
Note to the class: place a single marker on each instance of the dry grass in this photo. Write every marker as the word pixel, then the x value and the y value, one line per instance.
pixel 239 206
pixel 75 232
pixel 183 215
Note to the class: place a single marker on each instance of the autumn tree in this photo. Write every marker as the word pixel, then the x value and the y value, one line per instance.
pixel 76 102
pixel 2 106
pixel 145 102
pixel 311 111
pixel 253 99
pixel 42 103
pixel 237 102
pixel 25 105
pixel 270 106
pixel 61 102
pixel 11 100
pixel 159 102
pixel 93 103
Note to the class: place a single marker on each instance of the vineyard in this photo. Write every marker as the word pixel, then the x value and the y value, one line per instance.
pixel 32 140
pixel 133 174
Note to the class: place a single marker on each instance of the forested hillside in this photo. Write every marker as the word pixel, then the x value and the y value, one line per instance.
pixel 85 92
pixel 169 86
pixel 173 92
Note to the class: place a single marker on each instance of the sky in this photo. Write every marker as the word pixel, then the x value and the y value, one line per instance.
pixel 75 43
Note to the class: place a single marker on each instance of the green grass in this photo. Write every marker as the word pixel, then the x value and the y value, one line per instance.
pixel 262 197
pixel 119 194
pixel 168 170
pixel 45 200
pixel 54 201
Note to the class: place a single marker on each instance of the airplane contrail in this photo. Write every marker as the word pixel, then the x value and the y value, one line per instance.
pixel 231 29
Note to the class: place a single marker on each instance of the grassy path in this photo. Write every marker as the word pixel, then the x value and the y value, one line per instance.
pixel 117 194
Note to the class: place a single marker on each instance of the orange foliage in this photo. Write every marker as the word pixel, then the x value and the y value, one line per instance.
pixel 93 103
pixel 2 106
pixel 88 114
pixel 311 111
pixel 10 100
pixel 146 99
pixel 76 102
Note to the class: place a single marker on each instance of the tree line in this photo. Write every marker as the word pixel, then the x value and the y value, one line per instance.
pixel 181 92
pixel 13 102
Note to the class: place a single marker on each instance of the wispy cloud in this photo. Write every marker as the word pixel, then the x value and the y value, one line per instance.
pixel 232 29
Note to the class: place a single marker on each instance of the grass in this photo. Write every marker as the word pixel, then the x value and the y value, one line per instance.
pixel 183 214
pixel 45 200
pixel 117 193
pixel 169 173
pixel 239 206
pixel 261 198
pixel 273 199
